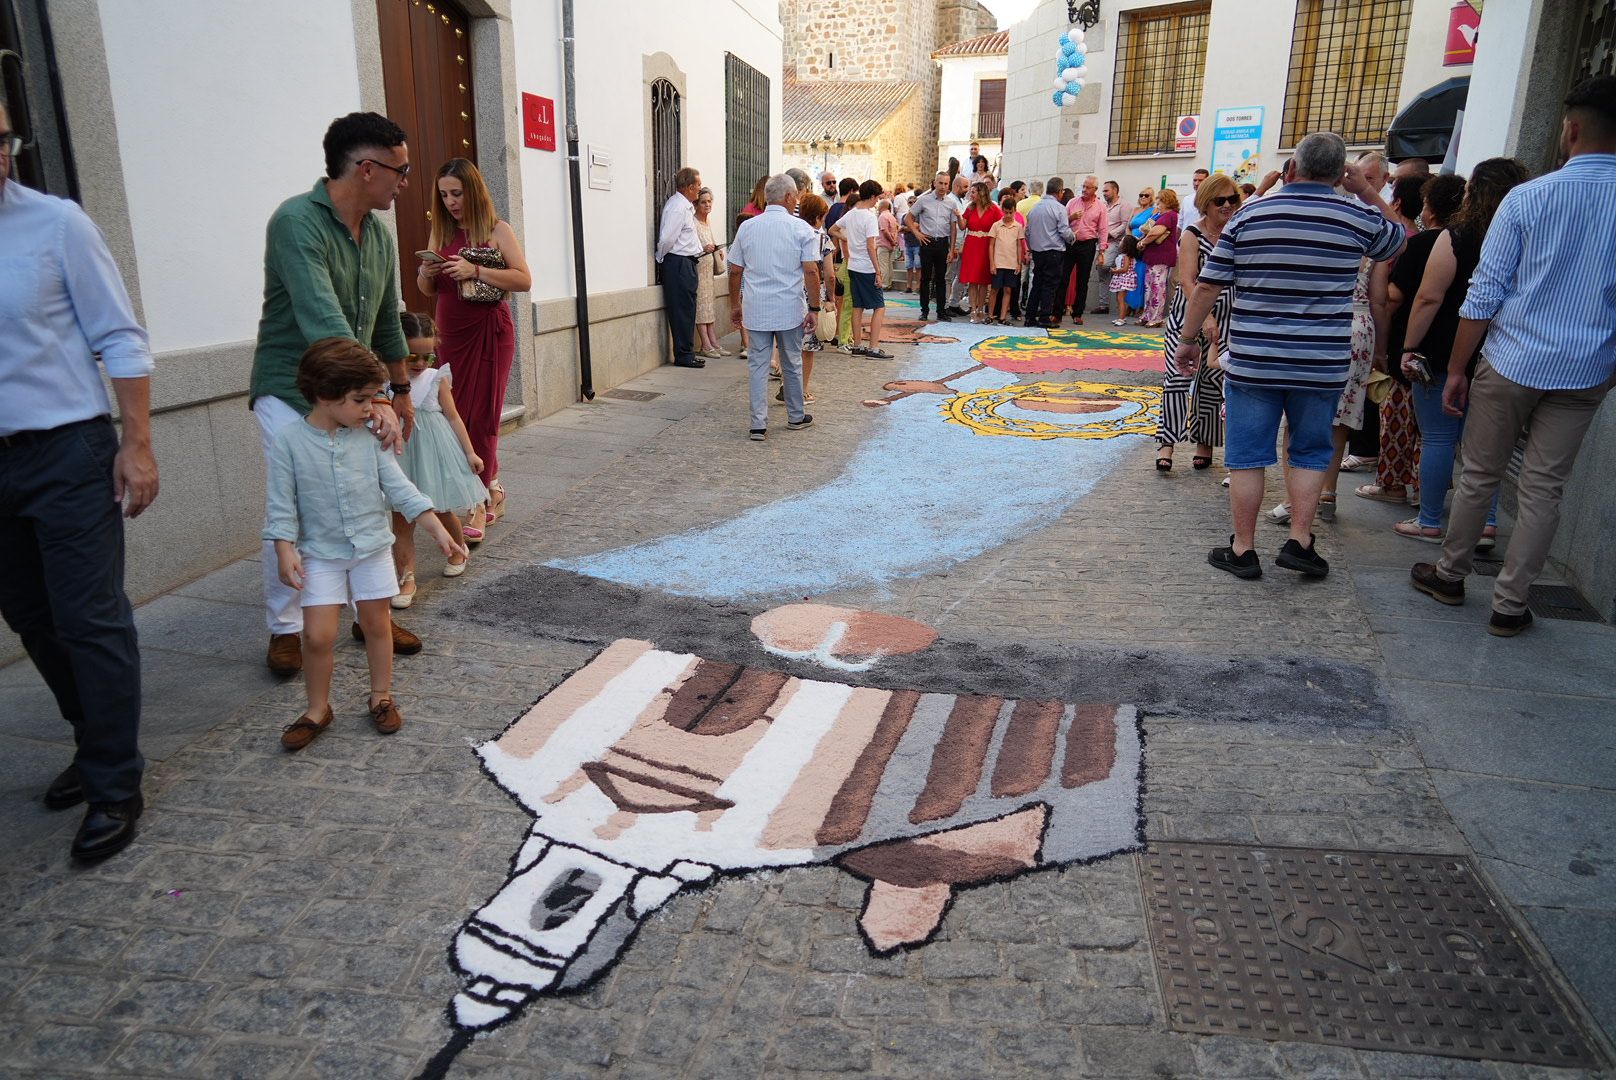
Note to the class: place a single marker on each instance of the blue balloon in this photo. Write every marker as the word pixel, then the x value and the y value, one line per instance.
pixel 1068 48
pixel 1056 96
pixel 1078 58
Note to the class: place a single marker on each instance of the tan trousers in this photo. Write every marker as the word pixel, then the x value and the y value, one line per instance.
pixel 1556 421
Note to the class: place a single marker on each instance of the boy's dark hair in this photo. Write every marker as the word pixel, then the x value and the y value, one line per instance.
pixel 1407 192
pixel 334 367
pixel 870 189
pixel 1130 246
pixel 418 324
pixel 847 186
pixel 358 131
pixel 1007 201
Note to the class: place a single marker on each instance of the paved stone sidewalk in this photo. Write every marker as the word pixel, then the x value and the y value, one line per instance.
pixel 289 915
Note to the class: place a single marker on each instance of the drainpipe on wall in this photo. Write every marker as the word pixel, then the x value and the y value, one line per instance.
pixel 586 372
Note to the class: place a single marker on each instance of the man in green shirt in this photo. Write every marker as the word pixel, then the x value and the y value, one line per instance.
pixel 330 271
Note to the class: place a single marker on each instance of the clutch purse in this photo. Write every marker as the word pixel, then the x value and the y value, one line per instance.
pixel 480 292
pixel 825 325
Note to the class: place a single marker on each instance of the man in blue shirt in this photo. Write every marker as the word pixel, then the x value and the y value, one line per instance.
pixel 1048 233
pixel 67 479
pixel 1544 297
pixel 1293 259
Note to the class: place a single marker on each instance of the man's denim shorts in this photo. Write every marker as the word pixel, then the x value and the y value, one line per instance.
pixel 1253 426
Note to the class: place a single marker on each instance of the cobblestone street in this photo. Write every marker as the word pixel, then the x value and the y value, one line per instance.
pixel 291 915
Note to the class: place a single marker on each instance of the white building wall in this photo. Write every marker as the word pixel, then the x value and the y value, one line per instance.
pixel 611 40
pixel 1247 57
pixel 209 152
pixel 1498 82
pixel 958 100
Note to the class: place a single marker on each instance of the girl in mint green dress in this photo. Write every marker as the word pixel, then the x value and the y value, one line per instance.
pixel 438 458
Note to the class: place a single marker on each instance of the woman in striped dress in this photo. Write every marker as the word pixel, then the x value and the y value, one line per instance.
pixel 1192 405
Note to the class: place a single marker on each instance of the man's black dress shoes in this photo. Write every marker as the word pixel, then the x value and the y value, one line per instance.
pixel 690 363
pixel 107 829
pixel 65 790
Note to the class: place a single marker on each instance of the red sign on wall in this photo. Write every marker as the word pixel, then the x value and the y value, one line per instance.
pixel 538 122
pixel 1464 22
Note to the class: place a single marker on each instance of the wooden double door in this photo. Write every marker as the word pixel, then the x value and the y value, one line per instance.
pixel 426 70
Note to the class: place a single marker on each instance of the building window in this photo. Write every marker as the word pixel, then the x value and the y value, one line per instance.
pixel 665 150
pixel 1346 69
pixel 746 132
pixel 1161 59
pixel 989 110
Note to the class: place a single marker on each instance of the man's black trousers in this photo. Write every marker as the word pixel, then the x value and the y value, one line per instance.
pixel 61 542
pixel 679 297
pixel 934 274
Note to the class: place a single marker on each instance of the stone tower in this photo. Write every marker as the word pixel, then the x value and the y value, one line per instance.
pixel 881 40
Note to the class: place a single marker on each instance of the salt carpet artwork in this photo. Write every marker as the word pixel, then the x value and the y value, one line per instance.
pixel 930 486
pixel 649 772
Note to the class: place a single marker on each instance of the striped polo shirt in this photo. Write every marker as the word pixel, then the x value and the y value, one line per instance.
pixel 1293 259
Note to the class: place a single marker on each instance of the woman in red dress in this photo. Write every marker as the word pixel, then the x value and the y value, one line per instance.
pixel 477 339
pixel 976 258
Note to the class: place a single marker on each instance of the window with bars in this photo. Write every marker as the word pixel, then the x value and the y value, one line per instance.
pixel 1161 59
pixel 1346 69
pixel 666 143
pixel 746 132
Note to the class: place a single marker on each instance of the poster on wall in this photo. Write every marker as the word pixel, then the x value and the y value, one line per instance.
pixel 1464 22
pixel 1237 143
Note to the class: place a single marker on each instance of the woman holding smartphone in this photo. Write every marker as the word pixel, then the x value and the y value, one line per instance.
pixel 476 337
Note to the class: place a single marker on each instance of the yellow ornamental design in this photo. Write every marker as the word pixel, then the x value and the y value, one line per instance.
pixel 989 411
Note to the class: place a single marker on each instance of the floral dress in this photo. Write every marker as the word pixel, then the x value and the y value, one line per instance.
pixel 1349 411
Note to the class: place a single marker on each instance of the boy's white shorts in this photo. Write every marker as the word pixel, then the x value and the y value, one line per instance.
pixel 343 581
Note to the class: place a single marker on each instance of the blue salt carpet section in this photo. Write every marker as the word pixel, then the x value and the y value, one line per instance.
pixel 919 495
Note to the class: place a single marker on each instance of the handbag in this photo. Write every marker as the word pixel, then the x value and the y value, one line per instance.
pixel 481 292
pixel 825 325
pixel 720 264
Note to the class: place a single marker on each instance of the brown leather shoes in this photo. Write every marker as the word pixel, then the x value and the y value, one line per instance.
pixel 302 731
pixel 285 654
pixel 384 714
pixel 404 642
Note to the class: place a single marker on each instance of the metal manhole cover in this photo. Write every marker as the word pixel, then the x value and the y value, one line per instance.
pixel 1560 602
pixel 1373 950
pixel 1487 567
pixel 632 395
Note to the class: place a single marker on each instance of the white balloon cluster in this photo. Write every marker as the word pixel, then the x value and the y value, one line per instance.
pixel 1071 67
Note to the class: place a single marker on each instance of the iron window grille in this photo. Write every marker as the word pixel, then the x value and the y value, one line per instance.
pixel 746 132
pixel 1160 67
pixel 1346 69
pixel 666 140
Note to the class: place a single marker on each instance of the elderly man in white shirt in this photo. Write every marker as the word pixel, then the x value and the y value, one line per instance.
pixel 774 268
pixel 678 248
pixel 67 479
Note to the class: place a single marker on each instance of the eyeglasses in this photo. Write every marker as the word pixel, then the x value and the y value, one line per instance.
pixel 1225 200
pixel 429 359
pixel 10 144
pixel 404 171
pixel 1146 195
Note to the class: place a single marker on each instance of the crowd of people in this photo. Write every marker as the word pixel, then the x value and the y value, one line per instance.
pixel 1459 314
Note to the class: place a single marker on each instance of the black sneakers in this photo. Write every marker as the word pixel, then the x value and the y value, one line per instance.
pixel 798 425
pixel 875 354
pixel 1304 560
pixel 758 434
pixel 1245 566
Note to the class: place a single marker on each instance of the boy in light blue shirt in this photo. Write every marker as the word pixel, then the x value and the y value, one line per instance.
pixel 330 486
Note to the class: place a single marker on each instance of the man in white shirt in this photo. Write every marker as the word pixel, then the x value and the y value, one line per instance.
pixel 67 480
pixel 1187 213
pixel 773 267
pixel 678 248
pixel 860 227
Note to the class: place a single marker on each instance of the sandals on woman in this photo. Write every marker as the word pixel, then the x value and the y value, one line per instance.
pixel 403 599
pixel 496 502
pixel 1415 531
pixel 1164 462
pixel 1381 494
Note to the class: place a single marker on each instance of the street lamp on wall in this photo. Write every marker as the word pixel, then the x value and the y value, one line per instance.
pixel 1085 14
pixel 825 142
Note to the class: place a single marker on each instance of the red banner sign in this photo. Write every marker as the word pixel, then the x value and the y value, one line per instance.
pixel 1464 22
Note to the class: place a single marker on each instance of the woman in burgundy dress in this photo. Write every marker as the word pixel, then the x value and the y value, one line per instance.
pixel 476 338
pixel 976 259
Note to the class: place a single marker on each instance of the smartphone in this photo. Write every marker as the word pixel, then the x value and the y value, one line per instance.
pixel 430 256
